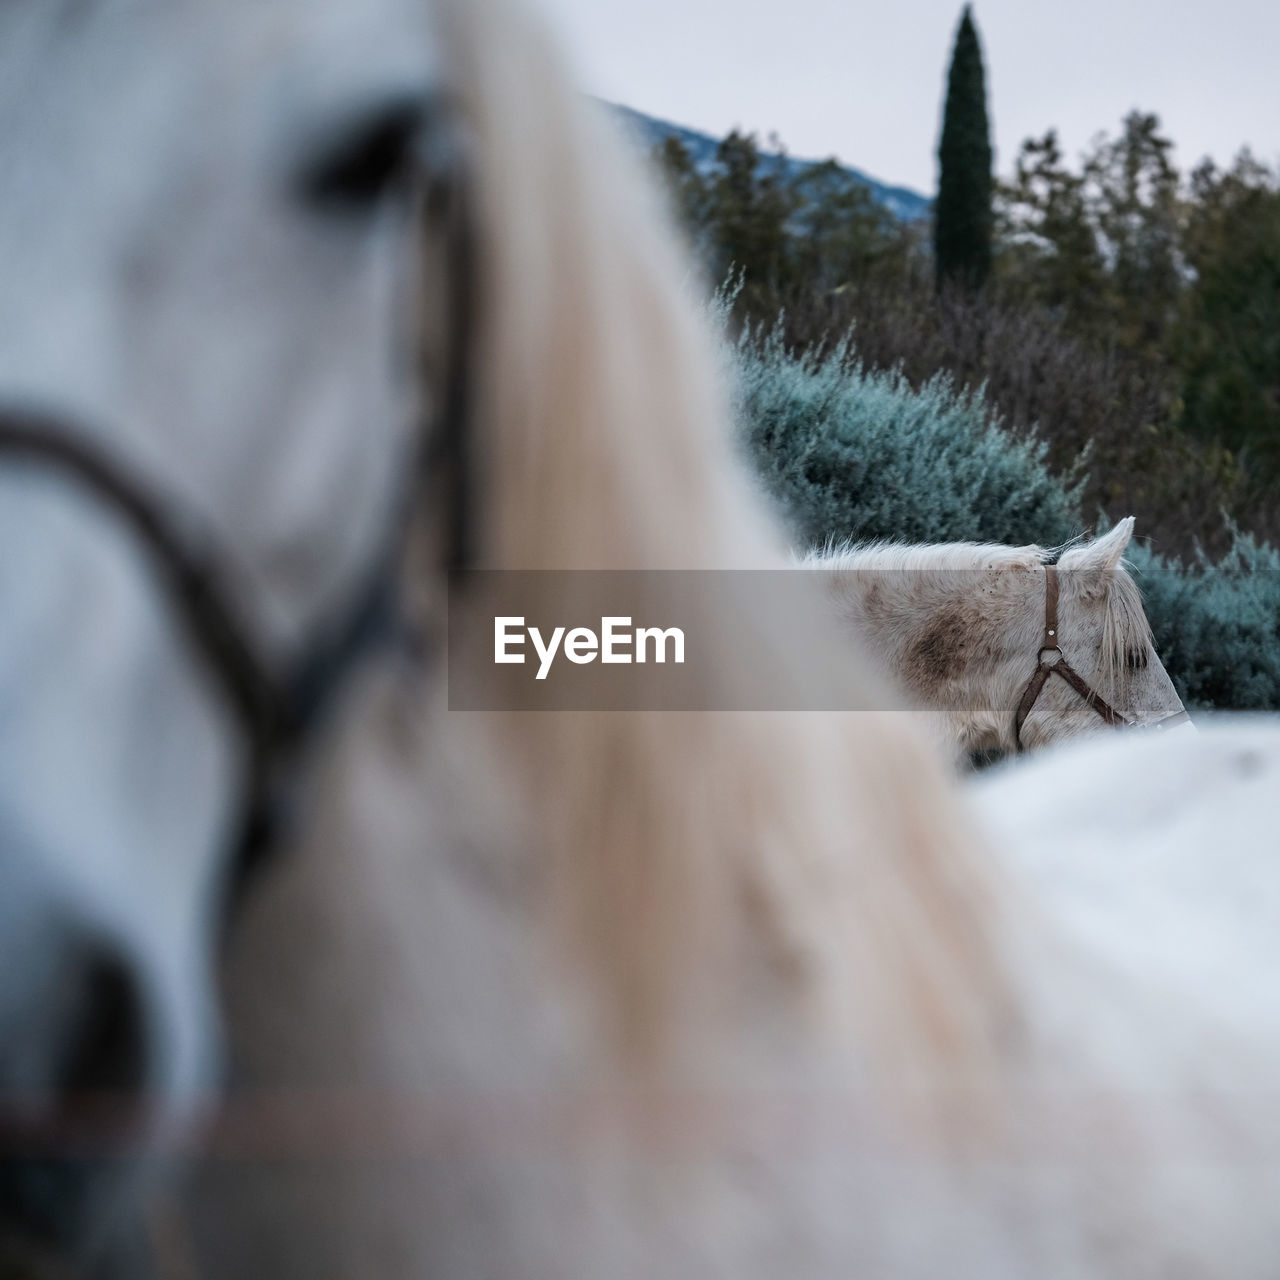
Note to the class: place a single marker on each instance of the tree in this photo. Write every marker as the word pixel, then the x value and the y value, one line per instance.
pixel 842 237
pixel 749 204
pixel 685 184
pixel 1227 342
pixel 1048 246
pixel 1131 186
pixel 802 236
pixel 962 226
pixel 1102 248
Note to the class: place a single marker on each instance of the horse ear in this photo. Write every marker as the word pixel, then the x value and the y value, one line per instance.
pixel 1104 553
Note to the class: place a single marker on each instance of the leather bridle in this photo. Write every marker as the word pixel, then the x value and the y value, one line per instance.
pixel 1059 666
pixel 278 706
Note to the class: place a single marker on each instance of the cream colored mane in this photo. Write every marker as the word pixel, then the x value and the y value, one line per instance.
pixel 941 557
pixel 604 443
pixel 1125 626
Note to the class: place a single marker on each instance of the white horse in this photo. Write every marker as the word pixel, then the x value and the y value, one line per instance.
pixel 1189 893
pixel 961 627
pixel 588 994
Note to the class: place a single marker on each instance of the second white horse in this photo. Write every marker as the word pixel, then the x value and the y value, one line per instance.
pixel 963 628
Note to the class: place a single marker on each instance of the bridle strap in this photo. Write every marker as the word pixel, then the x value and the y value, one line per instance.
pixel 448 448
pixel 1050 640
pixel 1091 696
pixel 1061 667
pixel 193 579
pixel 1028 700
pixel 274 709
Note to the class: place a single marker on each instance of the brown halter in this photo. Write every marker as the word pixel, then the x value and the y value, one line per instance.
pixel 1061 667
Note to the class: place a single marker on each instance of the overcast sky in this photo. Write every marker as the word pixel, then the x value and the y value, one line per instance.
pixel 864 81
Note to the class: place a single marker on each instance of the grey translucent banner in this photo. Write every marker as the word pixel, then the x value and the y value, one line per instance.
pixel 767 639
pixel 661 640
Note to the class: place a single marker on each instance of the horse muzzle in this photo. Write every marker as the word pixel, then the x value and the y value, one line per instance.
pixel 76 1068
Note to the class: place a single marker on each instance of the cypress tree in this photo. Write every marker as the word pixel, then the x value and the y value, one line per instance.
pixel 962 220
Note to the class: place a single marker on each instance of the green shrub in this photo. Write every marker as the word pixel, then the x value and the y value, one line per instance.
pixel 1038 374
pixel 1217 626
pixel 853 454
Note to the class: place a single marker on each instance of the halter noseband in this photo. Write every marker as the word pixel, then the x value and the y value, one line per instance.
pixel 276 710
pixel 1061 667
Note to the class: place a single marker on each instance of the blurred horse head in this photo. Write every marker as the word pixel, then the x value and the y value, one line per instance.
pixel 210 402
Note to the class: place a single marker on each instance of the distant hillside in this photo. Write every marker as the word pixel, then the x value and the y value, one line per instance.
pixel 901 201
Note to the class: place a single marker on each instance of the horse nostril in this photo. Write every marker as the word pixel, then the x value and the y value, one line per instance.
pixel 106 1049
pixel 57 1167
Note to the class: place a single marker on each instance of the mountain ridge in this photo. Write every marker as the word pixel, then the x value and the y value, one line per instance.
pixel 902 202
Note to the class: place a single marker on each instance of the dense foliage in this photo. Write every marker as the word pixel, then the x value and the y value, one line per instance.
pixel 1218 624
pixel 1128 309
pixel 962 220
pixel 1227 336
pixel 1036 368
pixel 795 232
pixel 848 452
pixel 852 453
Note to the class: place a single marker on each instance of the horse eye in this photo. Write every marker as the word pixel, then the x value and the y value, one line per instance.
pixel 1136 659
pixel 365 162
